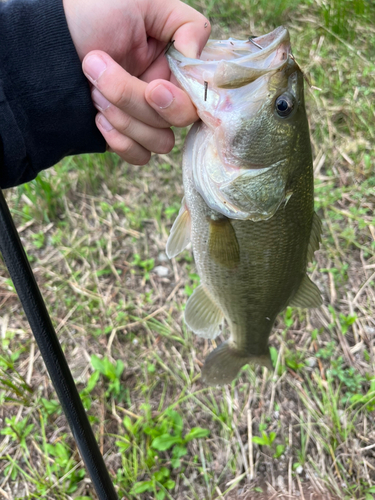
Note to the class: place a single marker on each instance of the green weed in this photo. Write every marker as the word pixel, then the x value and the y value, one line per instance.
pixel 146 264
pixel 159 443
pixel 112 371
pixel 18 431
pixel 94 229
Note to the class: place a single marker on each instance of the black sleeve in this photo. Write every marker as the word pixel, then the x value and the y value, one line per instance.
pixel 46 111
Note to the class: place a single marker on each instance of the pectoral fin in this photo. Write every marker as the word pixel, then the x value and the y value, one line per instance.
pixel 223 246
pixel 315 237
pixel 308 295
pixel 202 315
pixel 179 236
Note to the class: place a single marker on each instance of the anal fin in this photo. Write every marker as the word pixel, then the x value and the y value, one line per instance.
pixel 307 295
pixel 179 236
pixel 202 315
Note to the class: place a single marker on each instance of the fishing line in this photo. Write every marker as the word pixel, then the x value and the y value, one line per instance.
pixel 41 325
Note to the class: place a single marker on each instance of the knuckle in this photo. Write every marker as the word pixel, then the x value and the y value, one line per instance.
pixel 182 121
pixel 130 151
pixel 128 147
pixel 122 95
pixel 161 121
pixel 126 122
pixel 144 160
pixel 120 144
pixel 166 143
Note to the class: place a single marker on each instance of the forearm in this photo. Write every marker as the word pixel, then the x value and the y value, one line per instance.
pixel 46 111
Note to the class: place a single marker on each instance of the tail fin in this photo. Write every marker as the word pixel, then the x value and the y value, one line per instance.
pixel 224 363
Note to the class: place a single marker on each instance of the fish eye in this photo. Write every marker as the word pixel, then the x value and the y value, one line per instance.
pixel 284 105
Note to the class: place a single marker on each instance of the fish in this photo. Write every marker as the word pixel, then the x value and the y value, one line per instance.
pixel 248 206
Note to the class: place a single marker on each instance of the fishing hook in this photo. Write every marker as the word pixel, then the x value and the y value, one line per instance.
pixel 250 39
pixel 169 45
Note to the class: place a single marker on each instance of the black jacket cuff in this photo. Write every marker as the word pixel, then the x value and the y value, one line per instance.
pixel 46 111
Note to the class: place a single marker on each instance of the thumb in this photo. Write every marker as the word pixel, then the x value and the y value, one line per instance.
pixel 165 21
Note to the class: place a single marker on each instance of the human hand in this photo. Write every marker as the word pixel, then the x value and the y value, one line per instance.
pixel 132 86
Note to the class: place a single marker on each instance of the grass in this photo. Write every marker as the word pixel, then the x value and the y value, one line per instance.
pixel 95 230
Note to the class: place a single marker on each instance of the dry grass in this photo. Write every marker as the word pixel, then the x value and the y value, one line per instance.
pixel 96 232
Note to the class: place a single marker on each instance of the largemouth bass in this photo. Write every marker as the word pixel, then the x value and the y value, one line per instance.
pixel 248 208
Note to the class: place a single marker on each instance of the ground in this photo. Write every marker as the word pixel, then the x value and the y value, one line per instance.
pixel 95 231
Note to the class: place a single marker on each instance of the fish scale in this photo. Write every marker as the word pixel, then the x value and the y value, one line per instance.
pixel 248 208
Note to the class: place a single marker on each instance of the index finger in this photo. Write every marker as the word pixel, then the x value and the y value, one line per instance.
pixel 174 19
pixel 123 90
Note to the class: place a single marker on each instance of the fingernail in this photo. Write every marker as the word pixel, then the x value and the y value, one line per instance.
pixel 101 102
pixel 94 67
pixel 162 97
pixel 104 123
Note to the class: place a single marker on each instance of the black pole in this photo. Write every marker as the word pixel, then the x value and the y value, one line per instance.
pixel 53 356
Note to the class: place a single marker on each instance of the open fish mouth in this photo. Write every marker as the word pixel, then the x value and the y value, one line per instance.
pixel 232 63
pixel 216 81
pixel 234 86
